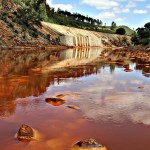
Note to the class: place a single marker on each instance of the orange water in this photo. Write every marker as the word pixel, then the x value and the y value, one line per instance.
pixel 112 108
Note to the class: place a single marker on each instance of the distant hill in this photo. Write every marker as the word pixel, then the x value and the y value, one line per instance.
pixel 129 31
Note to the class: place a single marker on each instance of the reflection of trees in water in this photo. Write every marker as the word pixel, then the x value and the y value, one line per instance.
pixel 32 84
pixel 7 106
pixel 14 62
pixel 141 60
pixel 20 62
pixel 112 68
pixel 143 66
pixel 17 80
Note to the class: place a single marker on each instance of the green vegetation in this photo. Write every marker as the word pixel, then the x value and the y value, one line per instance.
pixel 39 10
pixel 26 17
pixel 142 35
pixel 127 29
pixel 121 31
pixel 32 12
pixel 113 25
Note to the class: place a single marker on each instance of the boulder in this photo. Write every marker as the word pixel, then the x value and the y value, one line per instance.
pixel 73 107
pixel 90 144
pixel 55 101
pixel 25 133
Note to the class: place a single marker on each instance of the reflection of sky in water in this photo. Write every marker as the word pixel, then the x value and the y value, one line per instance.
pixel 111 97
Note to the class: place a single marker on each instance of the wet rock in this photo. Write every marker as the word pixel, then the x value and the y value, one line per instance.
pixel 69 94
pixel 25 133
pixel 109 59
pixel 128 70
pixel 61 95
pixel 126 66
pixel 73 107
pixel 55 101
pixel 90 144
pixel 141 87
pixel 36 70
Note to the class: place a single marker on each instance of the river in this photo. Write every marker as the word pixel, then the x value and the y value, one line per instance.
pixel 113 109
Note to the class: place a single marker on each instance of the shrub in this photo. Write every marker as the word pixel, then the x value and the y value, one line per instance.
pixel 135 39
pixel 121 31
pixel 34 34
pixel 145 41
pixel 10 25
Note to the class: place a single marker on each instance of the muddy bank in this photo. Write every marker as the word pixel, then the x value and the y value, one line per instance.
pixel 139 48
pixel 38 47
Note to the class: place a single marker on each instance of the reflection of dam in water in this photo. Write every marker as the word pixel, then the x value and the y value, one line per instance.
pixel 84 53
pixel 17 80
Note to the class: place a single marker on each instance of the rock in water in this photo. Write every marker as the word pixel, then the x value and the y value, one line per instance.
pixel 73 107
pixel 128 70
pixel 55 101
pixel 90 144
pixel 141 87
pixel 25 133
pixel 127 67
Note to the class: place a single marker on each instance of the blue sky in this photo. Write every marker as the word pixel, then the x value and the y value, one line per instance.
pixel 134 13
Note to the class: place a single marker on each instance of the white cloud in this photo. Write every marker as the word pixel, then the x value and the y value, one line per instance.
pixel 140 0
pixel 61 6
pixel 106 15
pixel 102 4
pixel 131 4
pixel 139 11
pixel 126 10
pixel 131 0
pixel 120 19
pixel 120 10
pixel 148 6
pixel 107 104
pixel 109 16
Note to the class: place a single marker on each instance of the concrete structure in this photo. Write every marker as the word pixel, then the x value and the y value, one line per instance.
pixel 75 37
pixel 80 41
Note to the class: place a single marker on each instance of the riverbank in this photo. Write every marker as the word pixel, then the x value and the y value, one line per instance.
pixel 40 47
pixel 139 48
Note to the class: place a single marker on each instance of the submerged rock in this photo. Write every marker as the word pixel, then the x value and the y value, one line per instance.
pixel 73 107
pixel 55 101
pixel 127 67
pixel 128 70
pixel 61 95
pixel 69 94
pixel 141 87
pixel 90 144
pixel 25 133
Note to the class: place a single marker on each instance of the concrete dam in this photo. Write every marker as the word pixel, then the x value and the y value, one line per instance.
pixel 75 37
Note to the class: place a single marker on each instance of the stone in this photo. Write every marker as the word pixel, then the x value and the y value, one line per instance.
pixel 90 144
pixel 73 107
pixel 25 133
pixel 128 70
pixel 61 95
pixel 126 66
pixel 55 101
pixel 141 87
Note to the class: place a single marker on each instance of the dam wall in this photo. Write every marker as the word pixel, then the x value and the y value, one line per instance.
pixel 80 41
pixel 75 37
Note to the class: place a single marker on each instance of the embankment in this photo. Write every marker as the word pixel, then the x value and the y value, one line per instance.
pixel 75 37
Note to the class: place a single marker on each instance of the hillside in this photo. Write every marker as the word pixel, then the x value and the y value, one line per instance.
pixel 21 24
pixel 79 37
pixel 128 30
pixel 19 27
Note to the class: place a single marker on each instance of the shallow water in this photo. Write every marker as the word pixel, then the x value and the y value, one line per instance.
pixel 113 109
